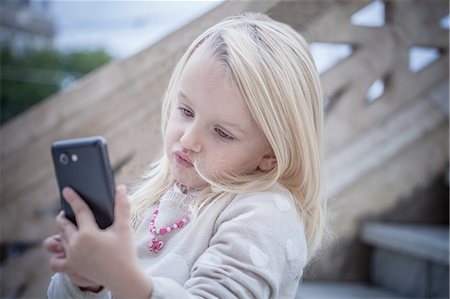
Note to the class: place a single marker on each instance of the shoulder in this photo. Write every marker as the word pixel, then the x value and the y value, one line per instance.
pixel 274 197
pixel 267 219
pixel 257 246
pixel 273 204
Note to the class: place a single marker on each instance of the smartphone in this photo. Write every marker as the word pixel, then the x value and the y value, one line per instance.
pixel 83 165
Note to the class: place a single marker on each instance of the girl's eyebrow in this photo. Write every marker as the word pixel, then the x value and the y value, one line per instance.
pixel 235 126
pixel 181 94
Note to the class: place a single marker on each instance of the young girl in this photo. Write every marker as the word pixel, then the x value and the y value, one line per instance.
pixel 232 209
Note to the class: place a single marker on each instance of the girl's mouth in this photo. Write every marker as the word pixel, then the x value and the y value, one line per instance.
pixel 183 160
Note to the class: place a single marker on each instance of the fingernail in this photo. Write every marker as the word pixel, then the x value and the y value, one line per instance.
pixel 66 192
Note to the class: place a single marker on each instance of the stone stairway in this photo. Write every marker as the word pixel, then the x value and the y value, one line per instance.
pixel 407 261
pixel 411 259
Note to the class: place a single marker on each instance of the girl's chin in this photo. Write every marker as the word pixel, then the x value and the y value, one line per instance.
pixel 191 184
pixel 188 177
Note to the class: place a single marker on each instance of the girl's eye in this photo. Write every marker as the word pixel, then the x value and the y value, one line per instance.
pixel 186 112
pixel 222 134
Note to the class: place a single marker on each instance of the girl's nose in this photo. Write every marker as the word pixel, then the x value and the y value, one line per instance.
pixel 191 139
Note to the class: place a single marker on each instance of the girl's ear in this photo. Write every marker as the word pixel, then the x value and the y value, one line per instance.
pixel 268 162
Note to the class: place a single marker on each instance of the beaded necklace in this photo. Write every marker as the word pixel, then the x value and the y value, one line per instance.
pixel 155 245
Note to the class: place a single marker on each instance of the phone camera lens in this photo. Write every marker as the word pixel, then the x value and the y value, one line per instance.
pixel 64 158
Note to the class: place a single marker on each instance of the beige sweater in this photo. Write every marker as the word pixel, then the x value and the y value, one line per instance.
pixel 250 246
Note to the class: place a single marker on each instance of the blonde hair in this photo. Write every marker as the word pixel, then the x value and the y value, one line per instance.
pixel 273 69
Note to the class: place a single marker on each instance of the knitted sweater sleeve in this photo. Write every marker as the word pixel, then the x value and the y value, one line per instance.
pixel 62 287
pixel 258 250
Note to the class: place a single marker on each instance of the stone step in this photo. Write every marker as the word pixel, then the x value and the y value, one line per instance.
pixel 410 276
pixel 337 290
pixel 408 259
pixel 424 241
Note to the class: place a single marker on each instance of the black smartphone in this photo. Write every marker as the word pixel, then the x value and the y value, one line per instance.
pixel 83 165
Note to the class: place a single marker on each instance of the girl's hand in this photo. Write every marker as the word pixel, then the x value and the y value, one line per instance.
pixel 53 246
pixel 107 257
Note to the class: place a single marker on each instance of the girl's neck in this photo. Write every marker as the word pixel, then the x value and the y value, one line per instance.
pixel 186 189
pixel 183 188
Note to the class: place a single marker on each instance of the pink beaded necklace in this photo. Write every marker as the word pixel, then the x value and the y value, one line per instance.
pixel 156 245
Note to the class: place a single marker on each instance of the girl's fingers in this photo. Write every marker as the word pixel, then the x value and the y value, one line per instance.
pixel 83 213
pixel 121 208
pixel 58 264
pixel 66 227
pixel 60 255
pixel 53 244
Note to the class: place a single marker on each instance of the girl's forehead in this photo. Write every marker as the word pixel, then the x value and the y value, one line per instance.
pixel 202 62
pixel 205 75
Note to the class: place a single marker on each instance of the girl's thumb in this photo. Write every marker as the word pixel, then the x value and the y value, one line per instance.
pixel 122 207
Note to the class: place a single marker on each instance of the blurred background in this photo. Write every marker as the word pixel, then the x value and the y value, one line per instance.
pixel 80 68
pixel 47 45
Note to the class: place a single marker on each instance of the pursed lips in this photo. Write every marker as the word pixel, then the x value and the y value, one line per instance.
pixel 183 159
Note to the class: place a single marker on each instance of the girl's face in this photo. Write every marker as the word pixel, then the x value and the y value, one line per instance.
pixel 211 125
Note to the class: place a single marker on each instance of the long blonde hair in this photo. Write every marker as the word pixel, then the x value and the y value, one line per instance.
pixel 273 69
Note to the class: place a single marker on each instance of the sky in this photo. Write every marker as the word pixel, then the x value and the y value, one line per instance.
pixel 123 28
